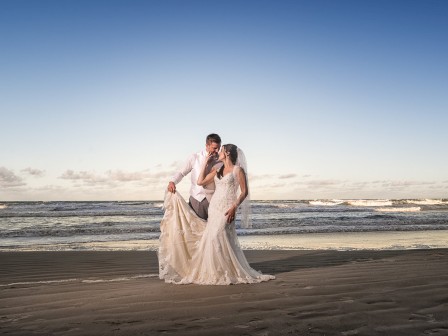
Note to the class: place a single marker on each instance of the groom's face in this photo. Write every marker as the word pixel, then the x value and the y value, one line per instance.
pixel 212 147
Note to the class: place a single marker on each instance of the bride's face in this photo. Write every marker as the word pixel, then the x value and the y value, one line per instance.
pixel 222 155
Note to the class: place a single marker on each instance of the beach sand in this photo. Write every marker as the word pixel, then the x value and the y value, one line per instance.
pixel 316 293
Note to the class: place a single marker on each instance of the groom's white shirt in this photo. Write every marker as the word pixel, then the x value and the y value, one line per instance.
pixel 194 165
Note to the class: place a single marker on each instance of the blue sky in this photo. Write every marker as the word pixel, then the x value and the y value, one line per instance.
pixel 104 100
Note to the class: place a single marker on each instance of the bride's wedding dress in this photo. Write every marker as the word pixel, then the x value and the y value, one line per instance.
pixel 207 253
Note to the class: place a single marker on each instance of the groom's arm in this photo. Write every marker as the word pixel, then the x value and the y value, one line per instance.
pixel 181 174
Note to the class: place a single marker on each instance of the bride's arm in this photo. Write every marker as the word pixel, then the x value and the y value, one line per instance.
pixel 203 179
pixel 242 179
pixel 244 192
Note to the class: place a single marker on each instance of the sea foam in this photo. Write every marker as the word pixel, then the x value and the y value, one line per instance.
pixel 370 203
pixel 89 281
pixel 399 209
pixel 327 202
pixel 427 202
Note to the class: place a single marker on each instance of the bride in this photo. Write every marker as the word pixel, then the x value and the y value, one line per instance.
pixel 208 253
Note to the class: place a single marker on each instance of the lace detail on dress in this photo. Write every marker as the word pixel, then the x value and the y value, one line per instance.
pixel 225 193
pixel 192 251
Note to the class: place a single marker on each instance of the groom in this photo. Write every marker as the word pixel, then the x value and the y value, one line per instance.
pixel 199 196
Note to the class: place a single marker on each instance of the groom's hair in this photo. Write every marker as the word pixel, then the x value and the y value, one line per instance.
pixel 213 138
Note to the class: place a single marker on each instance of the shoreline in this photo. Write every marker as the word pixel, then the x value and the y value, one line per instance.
pixel 316 292
pixel 338 241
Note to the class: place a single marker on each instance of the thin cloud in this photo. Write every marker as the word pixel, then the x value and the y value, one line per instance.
pixel 287 176
pixel 82 175
pixel 112 177
pixel 323 183
pixel 121 176
pixel 402 184
pixel 162 174
pixel 360 184
pixel 276 185
pixel 34 172
pixel 109 177
pixel 260 177
pixel 49 187
pixel 8 179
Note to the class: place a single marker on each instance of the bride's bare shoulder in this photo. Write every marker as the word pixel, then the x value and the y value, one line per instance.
pixel 238 170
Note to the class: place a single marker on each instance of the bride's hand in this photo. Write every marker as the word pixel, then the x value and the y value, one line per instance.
pixel 230 214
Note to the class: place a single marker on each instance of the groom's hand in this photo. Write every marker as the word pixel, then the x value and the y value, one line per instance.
pixel 212 156
pixel 172 187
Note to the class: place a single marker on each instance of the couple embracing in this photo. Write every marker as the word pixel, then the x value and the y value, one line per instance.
pixel 198 241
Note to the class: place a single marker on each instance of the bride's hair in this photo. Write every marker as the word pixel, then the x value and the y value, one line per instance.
pixel 232 151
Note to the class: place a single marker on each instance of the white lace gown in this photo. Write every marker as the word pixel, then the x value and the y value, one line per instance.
pixel 192 250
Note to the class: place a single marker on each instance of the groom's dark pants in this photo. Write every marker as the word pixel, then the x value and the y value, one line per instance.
pixel 201 208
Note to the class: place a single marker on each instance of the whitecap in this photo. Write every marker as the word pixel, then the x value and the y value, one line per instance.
pixel 327 203
pixel 370 203
pixel 402 209
pixel 427 202
pixel 283 206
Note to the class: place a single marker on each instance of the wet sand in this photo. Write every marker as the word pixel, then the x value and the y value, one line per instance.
pixel 316 293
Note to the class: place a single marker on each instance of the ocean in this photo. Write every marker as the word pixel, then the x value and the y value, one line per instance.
pixel 135 225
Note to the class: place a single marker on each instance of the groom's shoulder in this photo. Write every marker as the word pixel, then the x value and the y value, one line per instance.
pixel 200 154
pixel 195 156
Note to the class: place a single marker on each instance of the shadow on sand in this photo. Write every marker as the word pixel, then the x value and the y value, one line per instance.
pixel 318 259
